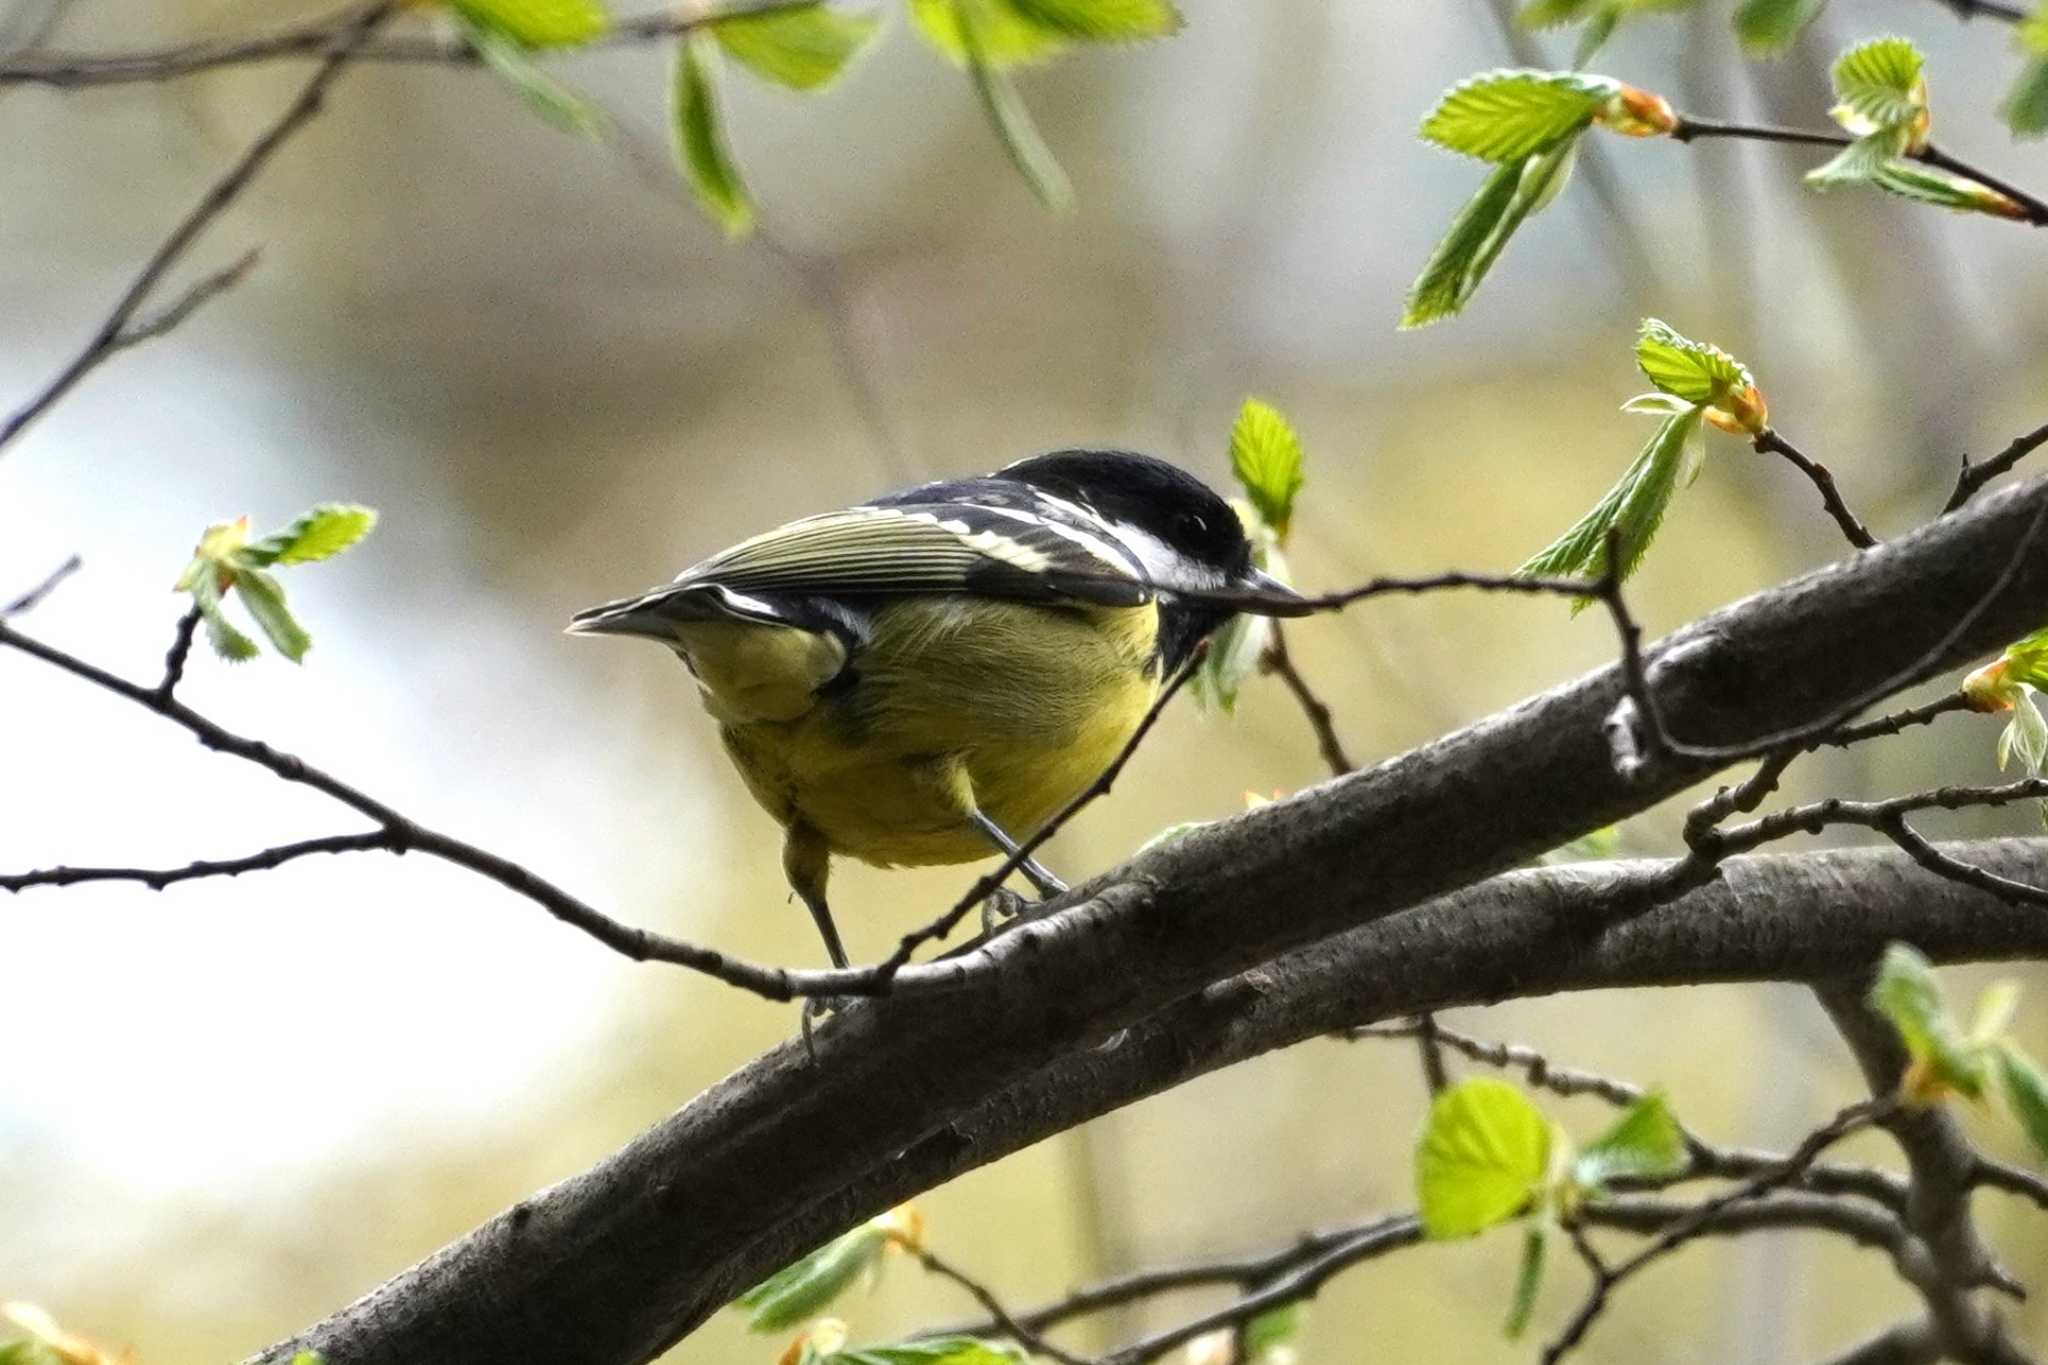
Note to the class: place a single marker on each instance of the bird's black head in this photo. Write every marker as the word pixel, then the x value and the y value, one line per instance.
pixel 1185 535
pixel 1188 539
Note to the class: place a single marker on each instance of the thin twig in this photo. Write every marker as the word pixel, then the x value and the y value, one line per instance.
pixel 1004 1322
pixel 156 879
pixel 178 654
pixel 1999 1175
pixel 1990 9
pixel 2028 208
pixel 1280 663
pixel 117 331
pixel 1974 476
pixel 986 885
pixel 320 38
pixel 33 598
pixel 1852 1119
pixel 1768 441
pixel 1884 727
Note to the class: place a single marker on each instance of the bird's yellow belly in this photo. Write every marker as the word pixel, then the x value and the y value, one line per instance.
pixel 958 711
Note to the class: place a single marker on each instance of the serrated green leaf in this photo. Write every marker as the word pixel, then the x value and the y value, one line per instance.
pixel 2025 106
pixel 1691 370
pixel 1020 137
pixel 1767 27
pixel 319 534
pixel 1006 37
pixel 1103 21
pixel 1509 116
pixel 1635 507
pixel 2027 659
pixel 805 1288
pixel 1645 1141
pixel 227 641
pixel 537 23
pixel 1905 993
pixel 1481 231
pixel 264 597
pixel 1656 404
pixel 1858 163
pixel 1266 457
pixel 1482 1159
pixel 1528 1280
pixel 1879 82
pixel 699 139
pixel 2026 1093
pixel 931 1351
pixel 802 49
pixel 551 101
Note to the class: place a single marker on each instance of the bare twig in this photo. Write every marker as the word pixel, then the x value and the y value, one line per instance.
pixel 156 879
pixel 1884 727
pixel 1768 441
pixel 176 656
pixel 1002 1321
pixel 1852 1119
pixel 1974 476
pixel 1280 664
pixel 2027 208
pixel 1999 1175
pixel 34 597
pixel 320 38
pixel 120 330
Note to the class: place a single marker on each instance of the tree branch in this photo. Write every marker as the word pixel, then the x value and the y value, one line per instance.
pixel 120 330
pixel 1768 441
pixel 1974 476
pixel 35 596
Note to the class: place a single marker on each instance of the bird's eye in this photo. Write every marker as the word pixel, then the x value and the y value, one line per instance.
pixel 1191 525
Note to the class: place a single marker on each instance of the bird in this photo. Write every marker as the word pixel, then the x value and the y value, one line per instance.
pixel 921 678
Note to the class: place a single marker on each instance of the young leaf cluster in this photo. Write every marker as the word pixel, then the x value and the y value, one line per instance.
pixel 1696 384
pixel 1266 458
pixel 506 34
pixel 2009 683
pixel 1980 1063
pixel 1489 1156
pixel 228 560
pixel 1764 27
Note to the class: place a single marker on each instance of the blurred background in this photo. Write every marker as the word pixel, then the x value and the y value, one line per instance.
pixel 228 1108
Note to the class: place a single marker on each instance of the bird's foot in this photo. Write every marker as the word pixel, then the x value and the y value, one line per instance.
pixel 1002 906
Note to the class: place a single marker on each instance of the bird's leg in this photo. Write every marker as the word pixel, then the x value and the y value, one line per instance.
pixel 807 861
pixel 1047 884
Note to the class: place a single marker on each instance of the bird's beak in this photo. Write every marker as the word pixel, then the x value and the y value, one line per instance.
pixel 624 617
pixel 1277 599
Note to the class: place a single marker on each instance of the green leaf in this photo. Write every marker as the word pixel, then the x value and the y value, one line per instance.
pixel 554 103
pixel 1911 180
pixel 264 597
pixel 1103 21
pixel 1856 164
pixel 228 642
pixel 1599 846
pixel 1767 27
pixel 309 1358
pixel 1879 82
pixel 1239 645
pixel 1995 1009
pixel 2025 106
pixel 320 534
pixel 1508 116
pixel 1635 506
pixel 699 137
pixel 1691 370
pixel 1905 993
pixel 1557 13
pixel 2026 1093
pixel 536 23
pixel 1528 1280
pixel 1482 1159
pixel 2027 659
pixel 28 1351
pixel 2026 734
pixel 1481 231
pixel 1645 1141
pixel 803 49
pixel 1265 455
pixel 931 1351
pixel 1005 36
pixel 1268 1334
pixel 1005 107
pixel 807 1287
pixel 1594 36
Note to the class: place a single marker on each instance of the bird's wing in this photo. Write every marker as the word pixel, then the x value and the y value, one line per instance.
pixel 997 541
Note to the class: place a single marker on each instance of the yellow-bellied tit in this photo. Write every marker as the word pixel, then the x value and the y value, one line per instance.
pixel 920 678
